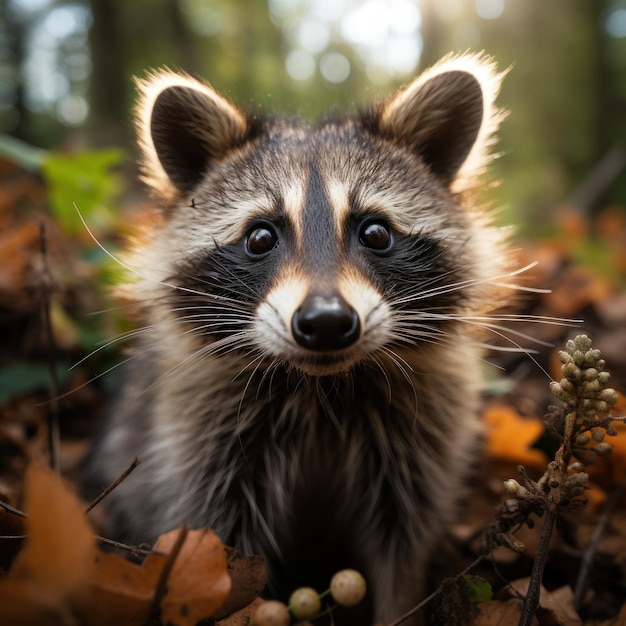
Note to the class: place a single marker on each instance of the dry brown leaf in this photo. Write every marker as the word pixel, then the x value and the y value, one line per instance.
pixel 247 574
pixel 494 613
pixel 121 591
pixel 48 578
pixel 558 604
pixel 199 582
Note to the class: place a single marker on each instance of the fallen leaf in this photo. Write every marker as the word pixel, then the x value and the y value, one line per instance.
pixel 199 582
pixel 496 613
pixel 48 578
pixel 247 574
pixel 121 592
pixel 558 604
pixel 510 436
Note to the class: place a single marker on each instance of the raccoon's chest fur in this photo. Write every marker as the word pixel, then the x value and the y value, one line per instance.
pixel 307 380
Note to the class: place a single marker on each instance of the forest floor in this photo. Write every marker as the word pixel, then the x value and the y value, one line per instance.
pixel 52 572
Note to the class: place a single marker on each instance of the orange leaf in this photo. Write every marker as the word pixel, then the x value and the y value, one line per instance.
pixel 48 578
pixel 121 591
pixel 509 436
pixel 199 582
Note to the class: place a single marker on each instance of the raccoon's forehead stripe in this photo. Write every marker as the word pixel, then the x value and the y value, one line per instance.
pixel 339 197
pixel 319 235
pixel 293 198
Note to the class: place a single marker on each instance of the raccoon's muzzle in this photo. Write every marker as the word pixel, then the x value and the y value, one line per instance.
pixel 325 323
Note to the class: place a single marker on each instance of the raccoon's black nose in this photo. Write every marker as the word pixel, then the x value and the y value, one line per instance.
pixel 325 323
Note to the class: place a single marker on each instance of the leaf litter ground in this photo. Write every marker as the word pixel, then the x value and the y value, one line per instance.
pixel 59 573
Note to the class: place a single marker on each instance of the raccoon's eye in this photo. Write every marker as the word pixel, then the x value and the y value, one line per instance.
pixel 375 235
pixel 261 240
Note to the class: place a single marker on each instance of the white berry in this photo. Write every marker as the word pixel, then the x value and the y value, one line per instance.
pixel 271 613
pixel 305 603
pixel 348 587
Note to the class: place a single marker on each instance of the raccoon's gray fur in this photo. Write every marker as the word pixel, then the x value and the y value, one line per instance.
pixel 306 383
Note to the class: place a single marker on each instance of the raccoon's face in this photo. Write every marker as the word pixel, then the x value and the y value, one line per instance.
pixel 319 247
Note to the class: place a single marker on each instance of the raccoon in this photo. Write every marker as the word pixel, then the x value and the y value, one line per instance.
pixel 307 379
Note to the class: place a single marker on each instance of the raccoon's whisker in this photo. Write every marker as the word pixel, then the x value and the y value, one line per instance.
pixel 135 271
pixel 514 317
pixel 328 409
pixel 402 367
pixel 503 331
pixel 91 380
pixel 500 332
pixel 511 349
pixel 175 372
pixel 471 282
pixel 119 339
pixel 259 362
pixel 407 331
pixel 210 312
pixel 383 371
pixel 268 375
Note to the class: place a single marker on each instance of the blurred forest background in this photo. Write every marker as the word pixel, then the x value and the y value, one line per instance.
pixel 66 68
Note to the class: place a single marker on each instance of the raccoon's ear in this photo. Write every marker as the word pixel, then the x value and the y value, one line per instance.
pixel 184 126
pixel 448 116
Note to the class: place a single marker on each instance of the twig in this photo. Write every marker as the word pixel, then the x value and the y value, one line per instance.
pixel 124 546
pixel 10 537
pixel 555 478
pixel 10 509
pixel 161 586
pixel 590 552
pixel 437 591
pixel 116 544
pixel 54 438
pixel 534 586
pixel 113 485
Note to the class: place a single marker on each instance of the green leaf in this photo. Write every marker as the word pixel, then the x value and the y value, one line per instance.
pixel 21 378
pixel 80 182
pixel 477 588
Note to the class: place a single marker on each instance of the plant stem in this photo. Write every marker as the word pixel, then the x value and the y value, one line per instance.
pixel 534 586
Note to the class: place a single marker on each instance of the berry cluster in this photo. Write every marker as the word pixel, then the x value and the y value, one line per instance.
pixel 347 588
pixel 585 382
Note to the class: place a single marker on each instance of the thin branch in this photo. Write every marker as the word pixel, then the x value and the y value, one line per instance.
pixel 113 485
pixel 161 586
pixel 10 509
pixel 11 537
pixel 116 544
pixel 536 577
pixel 124 546
pixel 54 438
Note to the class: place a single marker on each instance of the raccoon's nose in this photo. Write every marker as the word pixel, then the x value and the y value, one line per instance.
pixel 325 323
